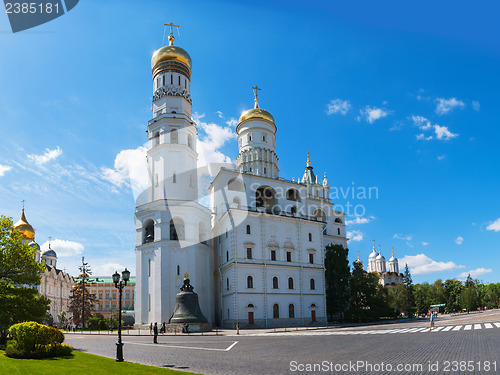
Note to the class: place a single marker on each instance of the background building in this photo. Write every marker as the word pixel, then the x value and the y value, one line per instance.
pixel 107 295
pixel 388 271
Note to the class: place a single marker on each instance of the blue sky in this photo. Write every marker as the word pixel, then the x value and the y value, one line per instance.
pixel 389 95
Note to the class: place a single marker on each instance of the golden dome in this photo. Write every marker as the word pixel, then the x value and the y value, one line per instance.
pixel 256 113
pixel 169 53
pixel 24 227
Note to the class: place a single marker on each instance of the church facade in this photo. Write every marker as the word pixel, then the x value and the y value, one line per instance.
pixel 55 284
pixel 388 272
pixel 256 255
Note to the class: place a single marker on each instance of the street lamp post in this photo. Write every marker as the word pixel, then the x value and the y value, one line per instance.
pixel 120 284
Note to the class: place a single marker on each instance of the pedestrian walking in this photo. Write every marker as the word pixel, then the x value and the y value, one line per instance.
pixel 151 328
pixel 155 334
pixel 164 327
pixel 431 320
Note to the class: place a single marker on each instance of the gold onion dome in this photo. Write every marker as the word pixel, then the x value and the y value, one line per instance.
pixel 24 227
pixel 170 53
pixel 257 113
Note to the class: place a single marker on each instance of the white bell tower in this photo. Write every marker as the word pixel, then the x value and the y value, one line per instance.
pixel 172 228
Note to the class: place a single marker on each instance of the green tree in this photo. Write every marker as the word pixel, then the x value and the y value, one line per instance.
pixel 437 293
pixel 366 296
pixel 453 290
pixel 19 277
pixel 470 294
pixel 81 300
pixel 409 306
pixel 337 275
pixel 396 298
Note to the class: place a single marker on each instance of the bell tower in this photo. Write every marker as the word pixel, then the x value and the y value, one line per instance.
pixel 171 226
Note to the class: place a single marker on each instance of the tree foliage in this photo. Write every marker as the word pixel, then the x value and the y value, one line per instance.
pixel 20 274
pixel 337 275
pixel 81 301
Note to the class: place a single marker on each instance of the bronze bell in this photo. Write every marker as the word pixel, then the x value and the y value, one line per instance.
pixel 187 308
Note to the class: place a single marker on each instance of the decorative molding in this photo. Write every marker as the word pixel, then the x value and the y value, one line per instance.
pixel 171 91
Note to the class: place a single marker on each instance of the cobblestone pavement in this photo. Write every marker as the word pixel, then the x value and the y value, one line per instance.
pixel 359 350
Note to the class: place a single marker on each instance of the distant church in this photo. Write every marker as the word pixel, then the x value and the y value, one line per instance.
pixel 55 283
pixel 388 272
pixel 256 256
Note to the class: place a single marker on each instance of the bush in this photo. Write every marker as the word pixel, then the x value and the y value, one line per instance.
pixel 33 340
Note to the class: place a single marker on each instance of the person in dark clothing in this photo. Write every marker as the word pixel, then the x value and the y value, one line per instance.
pixel 164 327
pixel 155 333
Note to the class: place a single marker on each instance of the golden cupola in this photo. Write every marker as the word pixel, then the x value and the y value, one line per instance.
pixel 171 58
pixel 256 112
pixel 24 227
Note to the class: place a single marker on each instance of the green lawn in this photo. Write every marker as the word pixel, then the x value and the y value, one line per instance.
pixel 79 363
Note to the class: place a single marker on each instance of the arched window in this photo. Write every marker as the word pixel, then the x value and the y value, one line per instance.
pixel 265 197
pixel 312 284
pixel 178 270
pixel 275 282
pixel 236 201
pixel 291 311
pixel 276 311
pixel 338 220
pixel 292 195
pixel 320 214
pixel 250 305
pixel 338 231
pixel 156 139
pixel 235 184
pixel 290 283
pixel 250 282
pixel 310 237
pixel 176 229
pixel 174 136
pixel 248 229
pixel 293 210
pixel 250 137
pixel 201 232
pixel 149 231
pixel 227 287
pixel 174 178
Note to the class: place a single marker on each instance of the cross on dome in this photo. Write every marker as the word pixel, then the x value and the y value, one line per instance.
pixel 171 36
pixel 256 89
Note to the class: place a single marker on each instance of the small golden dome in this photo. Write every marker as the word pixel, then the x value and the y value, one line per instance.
pixel 24 227
pixel 256 113
pixel 169 53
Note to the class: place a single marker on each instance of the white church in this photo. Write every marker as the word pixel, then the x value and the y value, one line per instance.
pixel 256 255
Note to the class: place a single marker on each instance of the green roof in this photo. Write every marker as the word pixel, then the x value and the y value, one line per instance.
pixel 107 280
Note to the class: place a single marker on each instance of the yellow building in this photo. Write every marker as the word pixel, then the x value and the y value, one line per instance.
pixel 107 295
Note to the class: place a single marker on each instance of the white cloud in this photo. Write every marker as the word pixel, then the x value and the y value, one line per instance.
pixel 422 137
pixel 402 237
pixel 360 220
pixel 63 248
pixel 421 122
pixel 130 169
pixel 47 156
pixel 214 137
pixel 220 114
pixel 474 273
pixel 459 240
pixel 441 157
pixel 4 168
pixel 338 106
pixel 495 226
pixel 442 132
pixel 107 269
pixel 444 106
pixel 355 235
pixel 476 106
pixel 372 114
pixel 421 264
pixel 425 243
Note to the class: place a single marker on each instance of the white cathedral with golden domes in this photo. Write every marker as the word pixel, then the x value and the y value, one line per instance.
pixel 256 255
pixel 55 284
